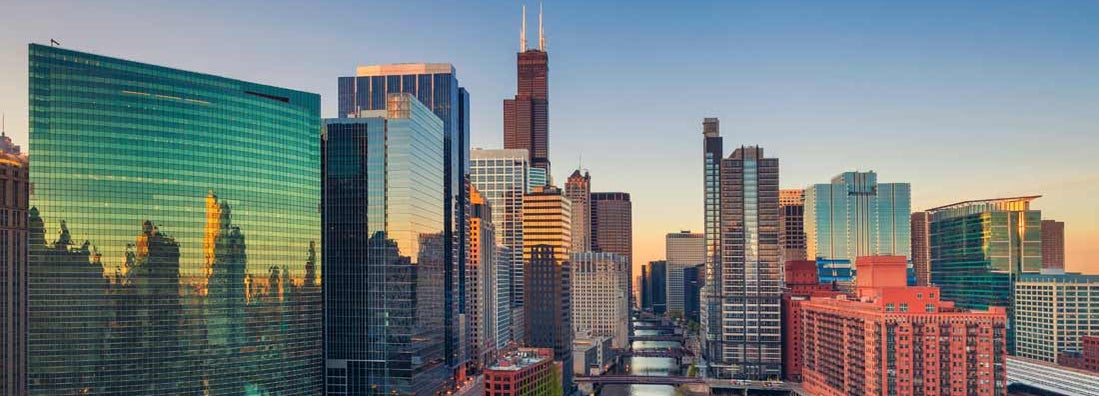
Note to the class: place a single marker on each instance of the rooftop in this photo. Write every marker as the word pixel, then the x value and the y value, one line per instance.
pixel 403 69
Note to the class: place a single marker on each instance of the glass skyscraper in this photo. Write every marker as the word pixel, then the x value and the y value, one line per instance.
pixel 980 248
pixel 710 318
pixel 173 230
pixel 856 216
pixel 384 219
pixel 435 85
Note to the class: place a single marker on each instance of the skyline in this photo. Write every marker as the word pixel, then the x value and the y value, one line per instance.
pixel 795 82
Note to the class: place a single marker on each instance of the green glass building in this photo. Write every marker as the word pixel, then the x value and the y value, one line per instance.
pixel 173 227
pixel 980 248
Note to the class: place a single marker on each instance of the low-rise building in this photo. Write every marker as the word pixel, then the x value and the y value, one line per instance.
pixel 524 372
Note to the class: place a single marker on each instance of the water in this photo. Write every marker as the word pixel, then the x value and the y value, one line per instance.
pixel 646 366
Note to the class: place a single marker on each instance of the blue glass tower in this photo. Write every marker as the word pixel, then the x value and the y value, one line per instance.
pixel 435 85
pixel 384 232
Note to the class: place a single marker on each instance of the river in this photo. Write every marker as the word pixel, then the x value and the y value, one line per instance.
pixel 646 366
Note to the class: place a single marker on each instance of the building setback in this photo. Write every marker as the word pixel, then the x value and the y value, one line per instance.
pixel 600 297
pixel 682 250
pixel 14 197
pixel 182 252
pixel 384 250
pixel 898 340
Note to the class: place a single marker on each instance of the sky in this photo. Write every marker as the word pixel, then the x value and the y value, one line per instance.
pixel 962 99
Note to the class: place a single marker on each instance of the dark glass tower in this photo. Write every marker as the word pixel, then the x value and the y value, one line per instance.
pixel 526 116
pixel 710 314
pixel 435 85
pixel 181 249
pixel 384 218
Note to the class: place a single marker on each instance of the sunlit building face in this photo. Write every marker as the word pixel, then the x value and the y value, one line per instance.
pixel 173 231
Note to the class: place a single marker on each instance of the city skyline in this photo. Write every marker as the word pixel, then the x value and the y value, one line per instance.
pixel 855 82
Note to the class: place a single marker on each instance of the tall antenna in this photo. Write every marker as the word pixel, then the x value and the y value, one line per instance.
pixel 3 124
pixel 541 34
pixel 523 31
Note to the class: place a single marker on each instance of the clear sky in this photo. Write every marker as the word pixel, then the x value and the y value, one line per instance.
pixel 963 99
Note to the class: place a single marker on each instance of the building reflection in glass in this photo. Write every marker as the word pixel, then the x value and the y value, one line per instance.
pixel 185 257
pixel 384 251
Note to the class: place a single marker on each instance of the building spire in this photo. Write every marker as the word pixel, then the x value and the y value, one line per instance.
pixel 523 31
pixel 541 33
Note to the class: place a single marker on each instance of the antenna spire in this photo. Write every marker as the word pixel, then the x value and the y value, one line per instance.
pixel 541 34
pixel 3 124
pixel 523 31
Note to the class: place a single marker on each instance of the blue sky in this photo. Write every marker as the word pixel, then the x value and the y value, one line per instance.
pixel 963 99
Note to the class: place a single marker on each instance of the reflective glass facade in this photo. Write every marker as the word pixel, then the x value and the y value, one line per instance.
pixel 384 219
pixel 711 303
pixel 855 216
pixel 173 232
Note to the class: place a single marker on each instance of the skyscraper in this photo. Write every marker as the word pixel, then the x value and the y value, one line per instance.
pixel 711 297
pixel 481 282
pixel 436 86
pixel 980 248
pixel 578 190
pixel 14 196
pixel 384 281
pixel 856 216
pixel 501 177
pixel 921 248
pixel 149 262
pixel 1053 244
pixel 750 288
pixel 547 272
pixel 693 278
pixel 526 116
pixel 792 227
pixel 682 250
pixel 656 286
pixel 600 297
pixel 644 287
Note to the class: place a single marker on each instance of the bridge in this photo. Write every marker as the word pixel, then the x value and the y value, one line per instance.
pixel 669 352
pixel 665 337
pixel 637 379
pixel 658 327
pixel 699 384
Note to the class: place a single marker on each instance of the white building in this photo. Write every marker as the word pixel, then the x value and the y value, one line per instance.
pixel 682 249
pixel 1052 312
pixel 600 287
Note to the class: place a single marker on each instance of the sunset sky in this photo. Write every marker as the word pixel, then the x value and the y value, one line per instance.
pixel 963 99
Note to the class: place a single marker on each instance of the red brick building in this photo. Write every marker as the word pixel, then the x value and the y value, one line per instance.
pixel 1085 359
pixel 801 285
pixel 899 340
pixel 525 372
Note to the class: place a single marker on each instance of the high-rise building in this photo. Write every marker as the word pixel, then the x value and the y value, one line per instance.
pixel 682 250
pixel 802 283
pixel 611 226
pixel 503 303
pixel 578 190
pixel 185 253
pixel 600 297
pixel 792 225
pixel 547 274
pixel 693 281
pixel 644 289
pixel 855 216
pixel 921 248
pixel 501 177
pixel 980 248
pixel 750 285
pixel 526 116
pixel 655 286
pixel 436 86
pixel 383 215
pixel 711 315
pixel 481 282
pixel 1053 312
pixel 1053 245
pixel 525 372
pixel 14 197
pixel 900 340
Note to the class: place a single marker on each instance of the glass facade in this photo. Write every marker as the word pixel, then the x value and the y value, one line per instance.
pixel 855 216
pixel 710 318
pixel 384 219
pixel 181 210
pixel 980 248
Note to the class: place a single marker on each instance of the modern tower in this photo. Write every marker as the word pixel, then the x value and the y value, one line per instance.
pixel 501 177
pixel 481 283
pixel 600 297
pixel 436 86
pixel 547 273
pixel 855 216
pixel 1053 245
pixel 921 248
pixel 526 116
pixel 980 248
pixel 14 195
pixel 682 250
pixel 655 286
pixel 383 215
pixel 711 298
pixel 792 228
pixel 182 251
pixel 750 288
pixel 578 190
